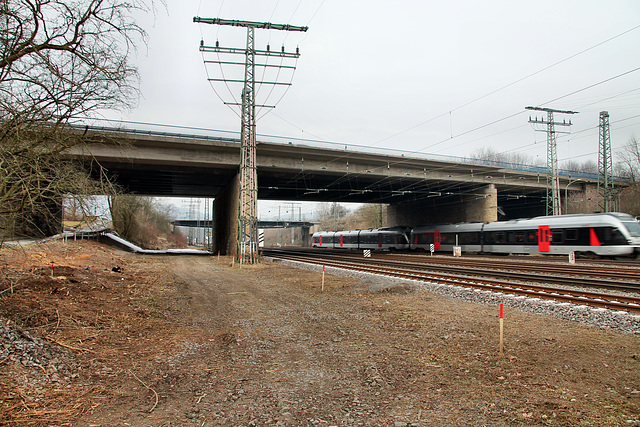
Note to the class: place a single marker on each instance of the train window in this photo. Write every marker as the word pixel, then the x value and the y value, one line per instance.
pixel 532 237
pixel 500 237
pixel 469 238
pixel 489 237
pixel 557 236
pixel 571 234
pixel 425 238
pixel 520 237
pixel 610 236
pixel 633 227
pixel 617 238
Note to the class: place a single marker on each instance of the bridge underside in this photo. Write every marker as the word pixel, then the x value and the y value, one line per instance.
pixel 417 190
pixel 273 184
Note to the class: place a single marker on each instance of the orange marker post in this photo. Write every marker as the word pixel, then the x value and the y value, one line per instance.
pixel 501 329
pixel 322 279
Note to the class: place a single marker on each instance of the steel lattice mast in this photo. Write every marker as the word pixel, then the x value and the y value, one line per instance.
pixel 553 179
pixel 605 166
pixel 247 237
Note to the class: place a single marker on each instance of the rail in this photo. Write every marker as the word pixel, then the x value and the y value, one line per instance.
pixel 630 303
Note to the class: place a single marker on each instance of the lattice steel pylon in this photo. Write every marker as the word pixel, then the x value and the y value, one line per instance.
pixel 553 178
pixel 247 237
pixel 605 166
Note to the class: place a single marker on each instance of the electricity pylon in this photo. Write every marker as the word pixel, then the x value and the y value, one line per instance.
pixel 553 179
pixel 247 238
pixel 605 166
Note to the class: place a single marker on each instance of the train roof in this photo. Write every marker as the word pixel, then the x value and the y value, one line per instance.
pixel 563 220
pixel 396 229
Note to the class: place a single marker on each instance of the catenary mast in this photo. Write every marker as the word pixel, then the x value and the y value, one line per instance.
pixel 247 237
pixel 553 178
pixel 605 166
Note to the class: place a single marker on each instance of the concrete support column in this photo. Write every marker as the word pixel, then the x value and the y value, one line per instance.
pixel 225 219
pixel 483 207
pixel 480 206
pixel 306 236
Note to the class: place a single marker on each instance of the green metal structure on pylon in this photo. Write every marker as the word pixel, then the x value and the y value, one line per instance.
pixel 247 237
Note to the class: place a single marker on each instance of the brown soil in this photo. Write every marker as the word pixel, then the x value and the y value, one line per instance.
pixel 173 341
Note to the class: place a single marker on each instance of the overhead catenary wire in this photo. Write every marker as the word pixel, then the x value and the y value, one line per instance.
pixel 454 136
pixel 592 86
pixel 509 85
pixel 546 103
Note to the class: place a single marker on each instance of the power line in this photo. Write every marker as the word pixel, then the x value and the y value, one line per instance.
pixel 509 85
pixel 513 115
pixel 591 86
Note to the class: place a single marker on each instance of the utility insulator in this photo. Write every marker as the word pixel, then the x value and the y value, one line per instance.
pixel 201 43
pixel 282 48
pixel 217 43
pixel 268 48
pixel 297 50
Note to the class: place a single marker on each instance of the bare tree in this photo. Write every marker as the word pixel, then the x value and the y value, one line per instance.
pixel 140 219
pixel 629 163
pixel 59 61
pixel 492 155
pixel 588 166
pixel 629 167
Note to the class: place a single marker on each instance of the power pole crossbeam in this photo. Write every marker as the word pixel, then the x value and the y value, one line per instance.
pixel 247 237
pixel 247 24
pixel 553 179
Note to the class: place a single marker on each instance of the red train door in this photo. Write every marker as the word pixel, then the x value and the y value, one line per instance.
pixel 436 240
pixel 320 239
pixel 379 240
pixel 544 238
pixel 341 240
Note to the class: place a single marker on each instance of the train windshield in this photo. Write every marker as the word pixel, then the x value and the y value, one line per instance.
pixel 633 227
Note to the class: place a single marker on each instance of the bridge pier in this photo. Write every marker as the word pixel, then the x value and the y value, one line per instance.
pixel 479 206
pixel 225 219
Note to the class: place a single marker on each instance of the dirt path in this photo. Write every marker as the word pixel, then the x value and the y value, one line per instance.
pixel 267 348
pixel 210 345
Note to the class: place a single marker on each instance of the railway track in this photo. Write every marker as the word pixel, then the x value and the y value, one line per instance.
pixel 630 303
pixel 595 276
pixel 628 272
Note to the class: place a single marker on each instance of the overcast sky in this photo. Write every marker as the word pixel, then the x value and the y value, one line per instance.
pixel 437 77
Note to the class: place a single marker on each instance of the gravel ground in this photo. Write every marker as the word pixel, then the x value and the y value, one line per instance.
pixel 192 341
pixel 603 318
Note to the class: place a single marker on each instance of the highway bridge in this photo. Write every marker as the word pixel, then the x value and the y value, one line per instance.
pixel 418 189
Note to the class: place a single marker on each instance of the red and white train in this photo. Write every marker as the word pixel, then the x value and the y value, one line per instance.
pixel 601 234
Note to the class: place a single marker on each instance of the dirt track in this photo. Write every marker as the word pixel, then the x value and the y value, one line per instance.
pixel 204 344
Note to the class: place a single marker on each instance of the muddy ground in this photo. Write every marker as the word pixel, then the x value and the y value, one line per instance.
pixel 117 339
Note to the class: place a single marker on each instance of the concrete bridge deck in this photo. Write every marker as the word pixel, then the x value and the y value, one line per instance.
pixel 167 165
pixel 417 189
